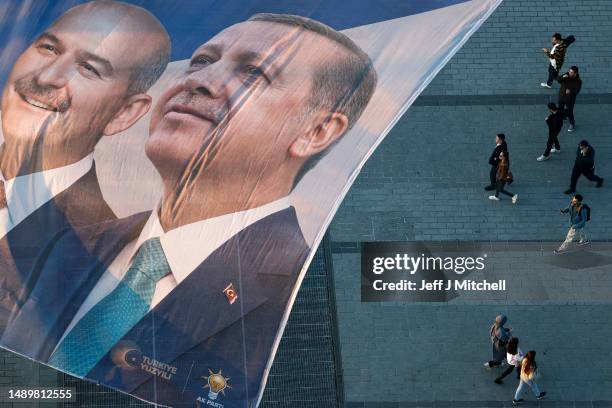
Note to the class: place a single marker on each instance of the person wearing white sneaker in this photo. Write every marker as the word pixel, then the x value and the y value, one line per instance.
pixel 500 335
pixel 555 56
pixel 542 158
pixel 504 176
pixel 529 373
pixel 570 87
pixel 554 121
pixel 580 213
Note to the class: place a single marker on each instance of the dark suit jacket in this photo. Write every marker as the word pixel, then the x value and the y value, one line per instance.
pixel 80 204
pixel 193 330
pixel 585 162
pixel 555 123
pixel 494 158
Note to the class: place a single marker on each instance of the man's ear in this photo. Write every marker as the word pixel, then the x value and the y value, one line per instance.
pixel 134 108
pixel 329 127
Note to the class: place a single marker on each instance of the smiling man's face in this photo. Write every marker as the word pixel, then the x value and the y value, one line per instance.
pixel 240 104
pixel 70 82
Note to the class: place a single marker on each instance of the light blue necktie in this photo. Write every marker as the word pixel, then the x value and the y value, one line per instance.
pixel 111 318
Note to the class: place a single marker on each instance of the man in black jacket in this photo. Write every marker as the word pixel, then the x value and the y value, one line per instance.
pixel 584 165
pixel 570 87
pixel 554 120
pixel 500 146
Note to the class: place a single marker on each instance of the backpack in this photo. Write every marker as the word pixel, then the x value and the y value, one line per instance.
pixel 588 210
pixel 569 40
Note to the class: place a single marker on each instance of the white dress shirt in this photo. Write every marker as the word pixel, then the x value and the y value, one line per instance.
pixel 26 194
pixel 515 359
pixel 185 248
pixel 553 62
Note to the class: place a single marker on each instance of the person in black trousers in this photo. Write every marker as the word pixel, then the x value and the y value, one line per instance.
pixel 500 146
pixel 554 120
pixel 584 166
pixel 514 356
pixel 570 87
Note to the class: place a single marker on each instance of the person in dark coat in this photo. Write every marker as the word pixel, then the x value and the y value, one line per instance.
pixel 584 165
pixel 514 358
pixel 500 336
pixel 554 120
pixel 500 146
pixel 570 87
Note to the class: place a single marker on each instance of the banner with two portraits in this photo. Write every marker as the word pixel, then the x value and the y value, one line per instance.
pixel 167 171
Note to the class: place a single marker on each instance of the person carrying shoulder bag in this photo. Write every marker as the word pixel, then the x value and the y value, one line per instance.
pixel 499 338
pixel 529 374
pixel 504 176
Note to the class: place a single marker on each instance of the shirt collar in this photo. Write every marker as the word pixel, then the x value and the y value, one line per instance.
pixel 186 247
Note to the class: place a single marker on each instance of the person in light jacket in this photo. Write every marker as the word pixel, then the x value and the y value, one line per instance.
pixel 529 373
pixel 578 218
pixel 499 338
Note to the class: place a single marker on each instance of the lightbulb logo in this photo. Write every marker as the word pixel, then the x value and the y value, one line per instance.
pixel 217 383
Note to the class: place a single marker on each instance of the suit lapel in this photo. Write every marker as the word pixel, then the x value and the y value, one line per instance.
pixel 80 204
pixel 198 308
pixel 64 274
pixel 83 202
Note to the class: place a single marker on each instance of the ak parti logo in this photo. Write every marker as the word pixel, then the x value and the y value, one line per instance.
pixel 216 383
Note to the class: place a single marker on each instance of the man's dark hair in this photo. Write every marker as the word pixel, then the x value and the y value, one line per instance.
pixel 552 106
pixel 578 197
pixel 557 36
pixel 584 143
pixel 501 136
pixel 146 74
pixel 344 84
pixel 574 68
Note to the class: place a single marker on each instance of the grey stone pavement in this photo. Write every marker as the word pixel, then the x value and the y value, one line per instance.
pixel 425 183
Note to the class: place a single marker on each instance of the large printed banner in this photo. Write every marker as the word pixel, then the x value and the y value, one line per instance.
pixel 168 169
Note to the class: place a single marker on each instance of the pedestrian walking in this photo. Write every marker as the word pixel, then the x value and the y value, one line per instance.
pixel 584 165
pixel 570 87
pixel 499 338
pixel 503 177
pixel 579 213
pixel 500 145
pixel 514 357
pixel 554 121
pixel 556 56
pixel 529 374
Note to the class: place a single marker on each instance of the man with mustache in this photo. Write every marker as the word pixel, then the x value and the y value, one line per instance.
pixel 199 287
pixel 84 78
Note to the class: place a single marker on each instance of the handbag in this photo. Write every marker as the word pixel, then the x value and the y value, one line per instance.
pixel 509 178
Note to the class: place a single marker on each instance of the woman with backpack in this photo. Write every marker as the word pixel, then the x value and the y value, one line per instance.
pixel 499 337
pixel 514 357
pixel 504 176
pixel 529 373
